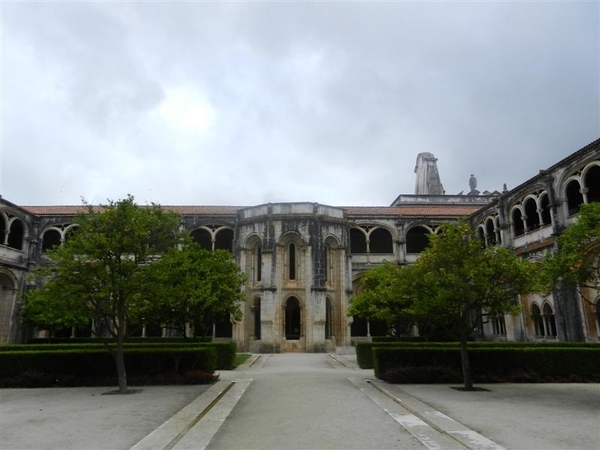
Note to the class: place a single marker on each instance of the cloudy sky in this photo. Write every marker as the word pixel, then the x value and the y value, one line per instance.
pixel 242 103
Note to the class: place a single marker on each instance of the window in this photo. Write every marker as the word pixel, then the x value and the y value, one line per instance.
pixel 546 214
pixel 538 321
pixel 292 261
pixel 498 325
pixel 549 321
pixel 258 263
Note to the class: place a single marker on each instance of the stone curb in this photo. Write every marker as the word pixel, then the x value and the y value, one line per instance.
pixel 444 424
pixel 211 407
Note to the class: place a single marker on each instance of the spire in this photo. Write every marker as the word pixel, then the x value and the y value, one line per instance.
pixel 428 177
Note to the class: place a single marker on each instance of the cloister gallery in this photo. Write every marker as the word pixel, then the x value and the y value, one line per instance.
pixel 304 261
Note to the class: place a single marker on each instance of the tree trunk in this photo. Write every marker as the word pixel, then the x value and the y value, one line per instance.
pixel 466 365
pixel 120 356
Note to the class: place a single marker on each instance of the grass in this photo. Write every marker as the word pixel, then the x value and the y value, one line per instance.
pixel 240 358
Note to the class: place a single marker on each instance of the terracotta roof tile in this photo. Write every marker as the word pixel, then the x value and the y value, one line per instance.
pixel 402 210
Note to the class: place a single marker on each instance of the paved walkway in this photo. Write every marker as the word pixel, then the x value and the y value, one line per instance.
pixel 303 401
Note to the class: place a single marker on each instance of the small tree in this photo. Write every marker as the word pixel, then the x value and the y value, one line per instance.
pixel 575 263
pixel 191 286
pixel 455 279
pixel 97 274
pixel 384 296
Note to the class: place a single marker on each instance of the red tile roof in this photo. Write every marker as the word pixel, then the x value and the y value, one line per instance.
pixel 390 211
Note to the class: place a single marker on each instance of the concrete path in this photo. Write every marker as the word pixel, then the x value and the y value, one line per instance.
pixel 303 401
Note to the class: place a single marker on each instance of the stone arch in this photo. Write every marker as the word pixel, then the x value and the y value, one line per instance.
pixel 8 289
pixel 203 236
pixel 481 235
pixel 51 238
pixel 532 217
pixel 545 207
pixel 518 224
pixel 358 241
pixel 380 240
pixel 591 181
pixel 16 233
pixel 417 238
pixel 573 195
pixel 292 243
pixel 224 239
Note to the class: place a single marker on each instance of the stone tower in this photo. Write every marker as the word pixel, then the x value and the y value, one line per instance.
pixel 428 177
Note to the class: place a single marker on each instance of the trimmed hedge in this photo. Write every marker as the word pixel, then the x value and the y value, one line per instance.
pixel 489 364
pixel 364 356
pixel 132 339
pixel 225 351
pixel 99 363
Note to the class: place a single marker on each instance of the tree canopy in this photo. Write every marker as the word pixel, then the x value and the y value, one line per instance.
pixel 97 274
pixel 575 261
pixel 193 287
pixel 452 283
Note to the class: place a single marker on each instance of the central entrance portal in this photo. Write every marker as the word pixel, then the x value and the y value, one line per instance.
pixel 292 319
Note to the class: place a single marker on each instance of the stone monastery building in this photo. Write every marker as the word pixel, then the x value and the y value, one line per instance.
pixel 305 260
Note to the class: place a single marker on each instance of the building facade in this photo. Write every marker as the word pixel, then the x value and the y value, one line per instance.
pixel 304 261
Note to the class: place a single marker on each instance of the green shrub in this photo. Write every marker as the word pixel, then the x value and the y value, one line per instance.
pixel 497 363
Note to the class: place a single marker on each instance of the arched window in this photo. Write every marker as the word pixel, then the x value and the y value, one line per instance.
pixel 224 239
pixel 498 324
pixel 533 218
pixel 549 321
pixel 538 321
pixel 292 319
pixel 380 241
pixel 358 241
pixel 417 239
pixel 16 234
pixel 203 237
pixel 50 239
pixel 518 225
pixel 546 214
pixel 292 261
pixel 256 311
pixel 592 184
pixel 574 197
pixel 328 318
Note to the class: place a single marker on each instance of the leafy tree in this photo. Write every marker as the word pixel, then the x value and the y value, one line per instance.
pixel 455 280
pixel 384 296
pixel 191 286
pixel 98 273
pixel 575 263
